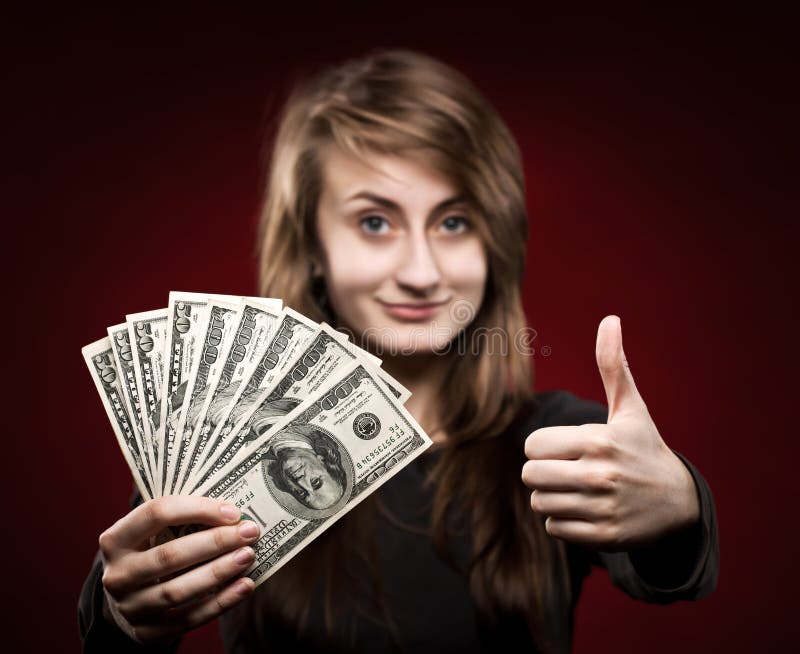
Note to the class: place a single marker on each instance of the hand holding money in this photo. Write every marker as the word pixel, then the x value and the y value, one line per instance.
pixel 154 594
pixel 223 403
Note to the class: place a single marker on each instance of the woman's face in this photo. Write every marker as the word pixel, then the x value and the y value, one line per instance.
pixel 405 268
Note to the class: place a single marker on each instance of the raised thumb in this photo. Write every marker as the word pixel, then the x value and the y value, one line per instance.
pixel 618 381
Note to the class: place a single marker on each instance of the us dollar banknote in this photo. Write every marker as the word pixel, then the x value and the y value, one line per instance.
pixel 318 462
pixel 323 355
pixel 185 316
pixel 147 332
pixel 293 332
pixel 216 335
pixel 252 334
pixel 123 358
pixel 99 358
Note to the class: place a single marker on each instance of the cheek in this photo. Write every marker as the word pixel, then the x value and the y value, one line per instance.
pixel 354 271
pixel 354 266
pixel 466 268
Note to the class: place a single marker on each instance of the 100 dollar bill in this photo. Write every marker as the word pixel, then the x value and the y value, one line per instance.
pixel 216 336
pixel 123 358
pixel 147 332
pixel 292 333
pixel 252 333
pixel 186 313
pixel 103 369
pixel 322 358
pixel 317 463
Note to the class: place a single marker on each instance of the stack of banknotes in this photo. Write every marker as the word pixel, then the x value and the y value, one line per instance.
pixel 245 400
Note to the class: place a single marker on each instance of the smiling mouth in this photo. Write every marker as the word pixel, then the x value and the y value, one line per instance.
pixel 414 305
pixel 412 311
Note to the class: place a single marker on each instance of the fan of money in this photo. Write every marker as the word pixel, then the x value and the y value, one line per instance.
pixel 243 399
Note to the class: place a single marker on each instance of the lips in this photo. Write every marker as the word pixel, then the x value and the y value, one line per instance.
pixel 412 311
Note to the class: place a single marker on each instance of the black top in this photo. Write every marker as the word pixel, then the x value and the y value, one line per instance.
pixel 428 600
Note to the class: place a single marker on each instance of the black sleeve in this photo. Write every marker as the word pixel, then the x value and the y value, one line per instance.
pixel 99 634
pixel 682 566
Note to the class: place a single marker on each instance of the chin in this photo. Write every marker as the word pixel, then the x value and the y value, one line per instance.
pixel 407 339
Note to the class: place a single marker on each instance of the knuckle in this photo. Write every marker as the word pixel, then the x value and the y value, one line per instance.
pixel 155 510
pixel 527 473
pixel 166 556
pixel 220 603
pixel 106 541
pixel 231 596
pixel 171 593
pixel 212 608
pixel 602 446
pixel 138 634
pixel 107 580
pixel 601 479
pixel 127 610
pixel 529 445
pixel 112 580
pixel 219 538
pixel 536 502
pixel 607 508
pixel 613 477
pixel 611 535
pixel 220 571
pixel 551 527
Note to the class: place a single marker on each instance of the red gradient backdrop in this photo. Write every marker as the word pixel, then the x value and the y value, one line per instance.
pixel 656 161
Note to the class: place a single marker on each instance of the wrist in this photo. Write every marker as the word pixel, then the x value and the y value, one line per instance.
pixel 113 617
pixel 687 504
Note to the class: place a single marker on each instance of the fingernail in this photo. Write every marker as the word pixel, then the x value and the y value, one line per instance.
pixel 229 512
pixel 248 529
pixel 244 555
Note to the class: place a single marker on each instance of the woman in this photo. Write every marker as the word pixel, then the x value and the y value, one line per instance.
pixel 395 209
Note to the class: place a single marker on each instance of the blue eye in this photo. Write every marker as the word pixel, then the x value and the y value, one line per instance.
pixel 374 224
pixel 455 224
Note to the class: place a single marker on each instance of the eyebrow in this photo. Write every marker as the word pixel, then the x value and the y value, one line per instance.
pixel 391 204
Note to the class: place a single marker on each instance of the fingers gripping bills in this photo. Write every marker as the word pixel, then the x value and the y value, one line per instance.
pixel 244 400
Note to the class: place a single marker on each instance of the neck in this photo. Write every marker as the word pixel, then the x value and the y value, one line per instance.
pixel 423 375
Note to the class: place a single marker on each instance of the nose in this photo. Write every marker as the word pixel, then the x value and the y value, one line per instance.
pixel 305 484
pixel 302 480
pixel 418 273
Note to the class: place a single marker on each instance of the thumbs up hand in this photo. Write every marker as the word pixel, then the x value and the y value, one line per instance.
pixel 614 486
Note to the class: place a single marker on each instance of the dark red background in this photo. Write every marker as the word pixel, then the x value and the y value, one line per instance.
pixel 657 160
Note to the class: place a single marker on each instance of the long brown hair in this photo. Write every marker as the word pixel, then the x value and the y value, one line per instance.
pixel 399 102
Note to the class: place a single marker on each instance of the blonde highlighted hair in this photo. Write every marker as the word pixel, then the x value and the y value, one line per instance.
pixel 403 102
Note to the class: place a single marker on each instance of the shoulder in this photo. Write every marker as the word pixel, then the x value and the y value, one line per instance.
pixel 553 408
